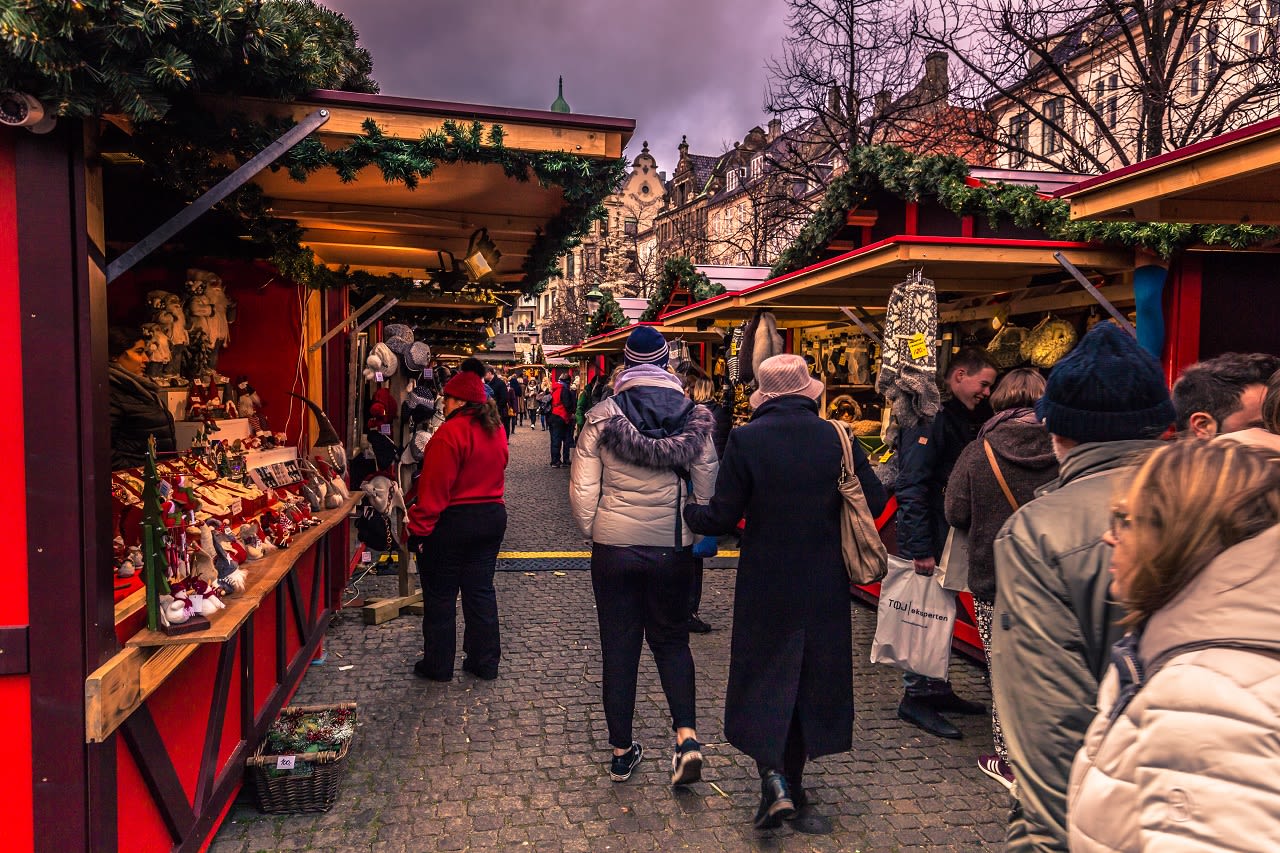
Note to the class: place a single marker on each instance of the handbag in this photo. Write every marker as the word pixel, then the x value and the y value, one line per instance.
pixel 914 621
pixel 953 568
pixel 865 557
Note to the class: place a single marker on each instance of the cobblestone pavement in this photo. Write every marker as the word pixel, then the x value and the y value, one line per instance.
pixel 520 763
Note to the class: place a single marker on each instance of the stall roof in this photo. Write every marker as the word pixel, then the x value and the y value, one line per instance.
pixel 1232 178
pixel 616 340
pixel 865 276
pixel 383 227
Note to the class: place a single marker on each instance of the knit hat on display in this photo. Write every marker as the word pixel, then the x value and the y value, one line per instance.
pixel 417 357
pixel 399 337
pixel 645 345
pixel 1107 389
pixel 783 376
pixel 465 386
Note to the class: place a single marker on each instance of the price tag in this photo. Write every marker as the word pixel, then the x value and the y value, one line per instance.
pixel 385 429
pixel 366 556
pixel 285 762
pixel 237 507
pixel 378 376
pixel 918 347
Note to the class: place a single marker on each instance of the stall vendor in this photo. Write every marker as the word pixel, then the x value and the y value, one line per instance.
pixel 137 412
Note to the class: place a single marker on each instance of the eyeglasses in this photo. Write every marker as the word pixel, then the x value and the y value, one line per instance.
pixel 1120 522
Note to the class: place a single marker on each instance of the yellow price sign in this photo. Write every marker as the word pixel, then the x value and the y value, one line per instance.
pixel 918 347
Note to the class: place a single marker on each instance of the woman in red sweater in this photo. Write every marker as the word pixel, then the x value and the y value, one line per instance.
pixel 456 527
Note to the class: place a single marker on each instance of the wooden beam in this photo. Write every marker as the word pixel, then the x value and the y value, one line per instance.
pixel 1218 212
pixel 402 219
pixel 1250 157
pixel 348 121
pixel 1116 294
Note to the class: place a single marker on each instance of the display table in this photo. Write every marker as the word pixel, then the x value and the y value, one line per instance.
pixel 191 707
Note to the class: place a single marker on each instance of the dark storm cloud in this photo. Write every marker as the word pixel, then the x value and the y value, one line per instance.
pixel 677 67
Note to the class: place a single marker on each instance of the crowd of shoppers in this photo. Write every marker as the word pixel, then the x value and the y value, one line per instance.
pixel 1123 556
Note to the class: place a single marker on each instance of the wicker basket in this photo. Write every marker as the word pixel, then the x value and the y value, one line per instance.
pixel 315 790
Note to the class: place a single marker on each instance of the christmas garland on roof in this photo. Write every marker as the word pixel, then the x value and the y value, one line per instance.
pixel 679 270
pixel 187 153
pixel 138 58
pixel 608 317
pixel 912 177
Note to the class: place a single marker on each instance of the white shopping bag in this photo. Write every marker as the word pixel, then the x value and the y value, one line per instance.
pixel 914 621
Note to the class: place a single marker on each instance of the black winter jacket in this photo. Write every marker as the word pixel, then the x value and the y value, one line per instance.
pixel 926 455
pixel 136 414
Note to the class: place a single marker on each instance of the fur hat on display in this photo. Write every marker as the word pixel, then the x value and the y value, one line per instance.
pixel 381 360
pixel 383 409
pixel 784 376
pixel 417 357
pixel 398 337
pixel 467 387
pixel 1107 389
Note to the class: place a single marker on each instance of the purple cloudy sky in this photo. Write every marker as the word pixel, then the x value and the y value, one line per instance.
pixel 677 67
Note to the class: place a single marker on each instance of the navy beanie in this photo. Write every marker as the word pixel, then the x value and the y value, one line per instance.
pixel 1107 389
pixel 646 345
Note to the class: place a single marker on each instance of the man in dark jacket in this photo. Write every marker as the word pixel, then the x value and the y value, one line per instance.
pixel 1054 622
pixel 926 454
pixel 498 387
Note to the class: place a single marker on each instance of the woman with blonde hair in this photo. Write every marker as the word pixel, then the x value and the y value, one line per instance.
pixel 1183 751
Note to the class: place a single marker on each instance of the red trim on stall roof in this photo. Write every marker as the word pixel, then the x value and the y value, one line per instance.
pixel 1244 134
pixel 898 240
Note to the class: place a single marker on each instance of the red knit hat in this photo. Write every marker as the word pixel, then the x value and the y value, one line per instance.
pixel 465 386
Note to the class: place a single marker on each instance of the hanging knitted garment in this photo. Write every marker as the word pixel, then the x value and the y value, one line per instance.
pixel 909 385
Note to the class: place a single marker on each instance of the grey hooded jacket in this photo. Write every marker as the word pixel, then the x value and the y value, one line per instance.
pixel 623 485
pixel 1052 632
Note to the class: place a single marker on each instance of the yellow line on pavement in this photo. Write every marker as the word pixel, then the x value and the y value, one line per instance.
pixel 547 555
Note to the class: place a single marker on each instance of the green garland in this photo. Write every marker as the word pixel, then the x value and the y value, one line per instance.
pixel 680 270
pixel 140 58
pixel 912 177
pixel 191 146
pixel 608 317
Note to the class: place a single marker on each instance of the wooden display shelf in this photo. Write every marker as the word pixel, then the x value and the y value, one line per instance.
pixel 264 576
pixel 844 387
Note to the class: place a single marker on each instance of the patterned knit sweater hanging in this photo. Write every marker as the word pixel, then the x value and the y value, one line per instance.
pixel 909 366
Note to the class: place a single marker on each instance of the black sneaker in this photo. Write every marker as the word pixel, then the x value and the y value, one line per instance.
pixel 622 765
pixel 686 764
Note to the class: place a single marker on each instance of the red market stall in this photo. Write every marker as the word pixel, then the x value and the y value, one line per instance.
pixel 1231 179
pixel 135 739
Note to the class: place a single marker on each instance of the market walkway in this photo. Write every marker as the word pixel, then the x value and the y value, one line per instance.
pixel 520 763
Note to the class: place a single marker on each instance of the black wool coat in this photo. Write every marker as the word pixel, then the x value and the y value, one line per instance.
pixel 791 649
pixel 137 414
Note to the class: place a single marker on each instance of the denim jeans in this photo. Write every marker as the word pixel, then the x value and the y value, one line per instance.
pixel 462 555
pixel 642 593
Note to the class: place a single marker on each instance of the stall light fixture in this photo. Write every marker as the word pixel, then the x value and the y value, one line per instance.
pixel 482 255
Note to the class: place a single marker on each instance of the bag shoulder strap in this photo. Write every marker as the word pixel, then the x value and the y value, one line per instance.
pixel 846 449
pixel 995 469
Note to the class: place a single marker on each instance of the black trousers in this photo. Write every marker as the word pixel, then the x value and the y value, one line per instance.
pixel 462 555
pixel 643 593
pixel 695 587
pixel 561 439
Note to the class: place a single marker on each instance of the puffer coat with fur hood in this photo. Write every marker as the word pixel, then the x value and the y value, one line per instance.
pixel 624 483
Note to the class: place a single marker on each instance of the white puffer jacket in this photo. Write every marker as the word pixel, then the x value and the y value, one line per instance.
pixel 623 485
pixel 1192 762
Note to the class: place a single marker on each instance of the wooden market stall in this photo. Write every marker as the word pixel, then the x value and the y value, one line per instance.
pixel 136 740
pixel 977 279
pixel 1231 179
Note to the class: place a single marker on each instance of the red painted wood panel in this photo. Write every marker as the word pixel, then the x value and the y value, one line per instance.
pixel 16 813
